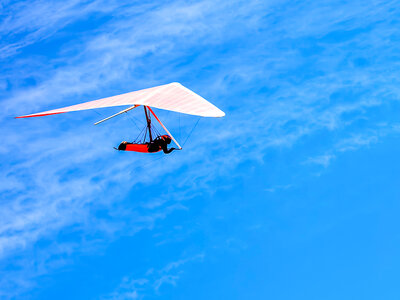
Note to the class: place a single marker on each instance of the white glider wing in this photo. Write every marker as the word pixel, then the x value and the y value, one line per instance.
pixel 173 97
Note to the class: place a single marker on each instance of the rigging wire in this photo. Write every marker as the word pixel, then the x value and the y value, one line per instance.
pixel 198 120
pixel 132 120
pixel 145 135
pixel 141 137
pixel 156 131
pixel 138 138
pixel 179 120
pixel 97 112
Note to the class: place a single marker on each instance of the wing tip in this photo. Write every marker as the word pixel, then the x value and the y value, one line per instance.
pixel 37 115
pixel 219 114
pixel 23 117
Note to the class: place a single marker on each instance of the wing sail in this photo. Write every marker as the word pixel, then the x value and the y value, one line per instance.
pixel 173 97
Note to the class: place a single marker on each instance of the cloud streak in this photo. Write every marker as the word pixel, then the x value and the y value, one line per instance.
pixel 153 280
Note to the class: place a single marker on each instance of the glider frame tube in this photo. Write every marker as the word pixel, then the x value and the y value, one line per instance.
pixel 117 114
pixel 165 128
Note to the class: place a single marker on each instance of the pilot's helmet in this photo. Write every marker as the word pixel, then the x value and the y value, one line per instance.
pixel 167 138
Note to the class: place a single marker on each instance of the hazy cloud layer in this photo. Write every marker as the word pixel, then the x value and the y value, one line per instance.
pixel 282 71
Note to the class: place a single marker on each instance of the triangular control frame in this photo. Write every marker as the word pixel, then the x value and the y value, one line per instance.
pixel 147 120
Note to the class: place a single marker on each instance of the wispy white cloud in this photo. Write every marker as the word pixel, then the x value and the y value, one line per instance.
pixel 278 187
pixel 323 160
pixel 152 281
pixel 28 22
pixel 355 142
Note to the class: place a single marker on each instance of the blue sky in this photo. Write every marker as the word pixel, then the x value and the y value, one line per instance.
pixel 293 195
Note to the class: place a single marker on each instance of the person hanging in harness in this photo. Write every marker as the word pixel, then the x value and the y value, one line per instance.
pixel 161 142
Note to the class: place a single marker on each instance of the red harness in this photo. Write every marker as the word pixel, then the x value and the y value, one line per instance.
pixel 144 148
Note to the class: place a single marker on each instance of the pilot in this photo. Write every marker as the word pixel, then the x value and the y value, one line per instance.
pixel 161 142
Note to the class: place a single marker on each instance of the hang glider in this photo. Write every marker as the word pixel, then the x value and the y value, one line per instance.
pixel 173 97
